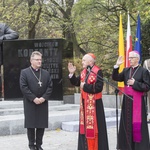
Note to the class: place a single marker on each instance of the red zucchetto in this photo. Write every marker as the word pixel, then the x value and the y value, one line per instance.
pixel 92 55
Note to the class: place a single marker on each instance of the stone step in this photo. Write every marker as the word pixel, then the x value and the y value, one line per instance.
pixel 19 104
pixel 14 124
pixel 11 111
pixel 12 116
pixel 61 107
pixel 64 107
pixel 20 110
pixel 73 126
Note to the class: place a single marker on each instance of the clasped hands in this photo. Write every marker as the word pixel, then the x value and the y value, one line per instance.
pixel 39 100
pixel 130 81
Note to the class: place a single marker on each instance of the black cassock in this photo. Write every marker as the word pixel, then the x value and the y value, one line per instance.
pixel 100 115
pixel 36 116
pixel 142 83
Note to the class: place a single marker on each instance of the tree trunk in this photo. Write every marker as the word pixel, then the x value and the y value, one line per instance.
pixel 31 33
pixel 34 19
pixel 68 31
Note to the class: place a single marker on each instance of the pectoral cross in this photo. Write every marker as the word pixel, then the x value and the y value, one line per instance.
pixel 40 83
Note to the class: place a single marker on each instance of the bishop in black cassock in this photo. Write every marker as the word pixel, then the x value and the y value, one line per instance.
pixel 133 131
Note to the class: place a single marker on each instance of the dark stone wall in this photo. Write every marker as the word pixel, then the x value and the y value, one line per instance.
pixel 16 56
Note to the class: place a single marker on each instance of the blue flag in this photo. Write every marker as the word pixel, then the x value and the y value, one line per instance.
pixel 137 45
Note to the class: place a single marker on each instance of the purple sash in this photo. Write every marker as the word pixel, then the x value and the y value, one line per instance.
pixel 136 113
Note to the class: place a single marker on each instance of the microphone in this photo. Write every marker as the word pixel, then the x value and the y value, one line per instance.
pixel 89 68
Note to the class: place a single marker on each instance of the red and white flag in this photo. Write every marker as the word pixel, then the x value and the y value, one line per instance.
pixel 128 42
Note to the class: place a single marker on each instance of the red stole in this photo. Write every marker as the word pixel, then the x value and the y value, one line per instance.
pixel 136 113
pixel 88 121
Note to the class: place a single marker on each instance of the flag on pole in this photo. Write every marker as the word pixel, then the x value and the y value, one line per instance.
pixel 137 45
pixel 121 51
pixel 128 42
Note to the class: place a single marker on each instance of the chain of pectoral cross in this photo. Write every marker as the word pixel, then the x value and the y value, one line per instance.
pixel 39 79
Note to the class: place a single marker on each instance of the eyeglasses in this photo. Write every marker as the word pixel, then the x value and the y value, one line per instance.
pixel 132 57
pixel 37 59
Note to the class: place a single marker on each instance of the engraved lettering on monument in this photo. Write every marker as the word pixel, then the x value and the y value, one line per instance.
pixel 17 56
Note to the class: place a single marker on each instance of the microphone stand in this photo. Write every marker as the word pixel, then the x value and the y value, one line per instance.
pixel 116 92
pixel 148 121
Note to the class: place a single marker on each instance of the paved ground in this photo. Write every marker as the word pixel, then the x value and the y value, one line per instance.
pixel 53 140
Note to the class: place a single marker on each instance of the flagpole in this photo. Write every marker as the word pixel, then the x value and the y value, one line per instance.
pixel 116 92
pixel 120 84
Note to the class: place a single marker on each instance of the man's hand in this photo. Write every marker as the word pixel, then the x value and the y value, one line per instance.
pixel 120 60
pixel 71 68
pixel 42 100
pixel 82 84
pixel 131 81
pixel 38 100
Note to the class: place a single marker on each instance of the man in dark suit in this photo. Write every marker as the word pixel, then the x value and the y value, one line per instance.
pixel 36 86
pixel 6 33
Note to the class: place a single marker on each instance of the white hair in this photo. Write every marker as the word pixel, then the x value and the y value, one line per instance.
pixel 90 58
pixel 135 54
pixel 35 53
